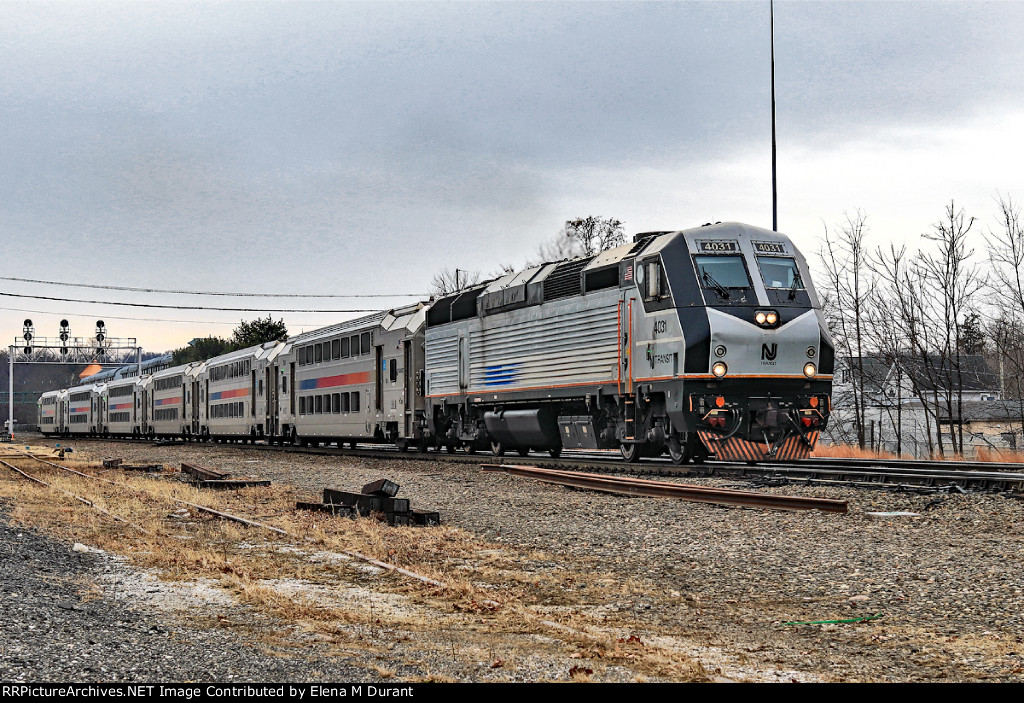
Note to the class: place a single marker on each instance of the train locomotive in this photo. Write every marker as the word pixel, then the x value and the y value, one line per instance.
pixel 708 341
pixel 701 342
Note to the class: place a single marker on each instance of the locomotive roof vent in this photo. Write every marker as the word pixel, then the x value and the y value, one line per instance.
pixel 647 235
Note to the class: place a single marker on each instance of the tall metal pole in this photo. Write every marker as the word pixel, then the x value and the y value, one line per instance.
pixel 775 194
pixel 10 392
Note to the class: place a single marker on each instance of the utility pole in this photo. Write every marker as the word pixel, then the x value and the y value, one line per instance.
pixel 775 195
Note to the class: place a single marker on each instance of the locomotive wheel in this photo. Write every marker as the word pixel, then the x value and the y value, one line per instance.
pixel 555 453
pixel 630 452
pixel 450 447
pixel 523 451
pixel 403 445
pixel 470 447
pixel 679 450
pixel 497 449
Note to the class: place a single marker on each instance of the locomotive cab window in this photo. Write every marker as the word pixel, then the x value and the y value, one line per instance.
pixel 725 271
pixel 650 279
pixel 780 272
pixel 722 273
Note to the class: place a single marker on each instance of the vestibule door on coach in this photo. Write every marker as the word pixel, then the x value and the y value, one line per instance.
pixel 408 399
pixel 145 412
pixel 195 407
pixel 270 382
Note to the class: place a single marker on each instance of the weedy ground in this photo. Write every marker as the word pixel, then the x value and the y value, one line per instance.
pixel 500 613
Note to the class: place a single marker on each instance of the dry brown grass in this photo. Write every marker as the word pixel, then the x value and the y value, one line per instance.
pixel 1007 456
pixel 492 593
pixel 848 451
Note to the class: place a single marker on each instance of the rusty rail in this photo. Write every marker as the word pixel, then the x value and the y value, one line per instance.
pixel 227 516
pixel 80 499
pixel 664 489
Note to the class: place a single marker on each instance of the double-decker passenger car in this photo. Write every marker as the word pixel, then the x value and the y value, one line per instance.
pixel 83 410
pixel 233 395
pixel 122 410
pixel 356 382
pixel 49 412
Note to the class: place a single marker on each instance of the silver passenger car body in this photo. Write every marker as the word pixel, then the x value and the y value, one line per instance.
pixel 357 381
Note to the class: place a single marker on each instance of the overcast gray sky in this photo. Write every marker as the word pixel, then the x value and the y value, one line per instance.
pixel 360 147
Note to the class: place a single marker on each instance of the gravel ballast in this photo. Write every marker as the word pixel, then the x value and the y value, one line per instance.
pixel 718 583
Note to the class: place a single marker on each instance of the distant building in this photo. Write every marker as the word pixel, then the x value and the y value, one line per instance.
pixel 905 397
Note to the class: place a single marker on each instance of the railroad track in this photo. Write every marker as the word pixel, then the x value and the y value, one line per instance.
pixel 897 474
pixel 22 456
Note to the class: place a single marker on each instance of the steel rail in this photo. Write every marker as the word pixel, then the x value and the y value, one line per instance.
pixel 662 489
pixel 239 519
pixel 80 499
pixel 938 470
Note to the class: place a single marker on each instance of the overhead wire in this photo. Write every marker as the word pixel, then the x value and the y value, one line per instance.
pixel 223 293
pixel 118 317
pixel 181 307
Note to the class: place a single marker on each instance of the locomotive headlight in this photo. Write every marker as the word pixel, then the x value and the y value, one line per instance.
pixel 760 317
pixel 810 369
pixel 772 317
pixel 720 350
pixel 719 369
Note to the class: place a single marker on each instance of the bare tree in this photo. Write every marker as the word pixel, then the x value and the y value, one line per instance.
pixel 583 236
pixel 594 233
pixel 849 292
pixel 930 296
pixel 1006 255
pixel 950 272
pixel 448 281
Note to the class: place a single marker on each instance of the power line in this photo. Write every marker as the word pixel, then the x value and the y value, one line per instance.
pixel 225 293
pixel 116 317
pixel 179 307
pixel 149 319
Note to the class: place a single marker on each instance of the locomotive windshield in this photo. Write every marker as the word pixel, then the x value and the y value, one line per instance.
pixel 722 271
pixel 779 272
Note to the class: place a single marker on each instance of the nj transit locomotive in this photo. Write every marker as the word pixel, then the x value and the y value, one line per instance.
pixel 707 341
